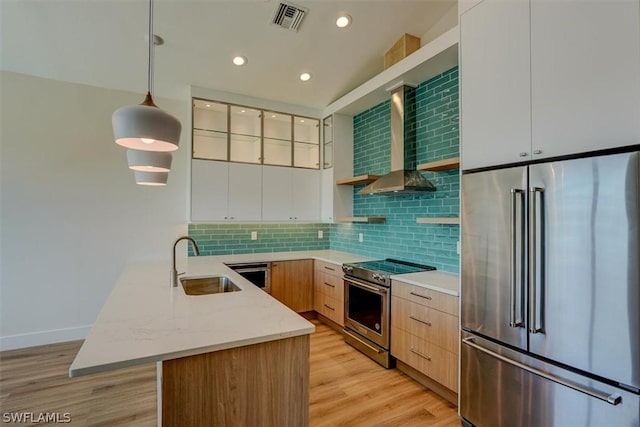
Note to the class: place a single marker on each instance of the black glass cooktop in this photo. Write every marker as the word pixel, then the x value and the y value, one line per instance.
pixel 391 266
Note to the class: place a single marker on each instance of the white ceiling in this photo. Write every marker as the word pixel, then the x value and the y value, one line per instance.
pixel 102 43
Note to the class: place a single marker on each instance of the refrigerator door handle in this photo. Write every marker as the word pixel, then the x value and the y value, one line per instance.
pixel 515 318
pixel 610 398
pixel 536 248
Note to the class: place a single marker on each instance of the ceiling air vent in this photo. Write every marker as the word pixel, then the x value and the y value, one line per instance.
pixel 288 16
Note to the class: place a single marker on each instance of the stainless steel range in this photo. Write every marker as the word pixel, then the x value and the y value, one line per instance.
pixel 367 305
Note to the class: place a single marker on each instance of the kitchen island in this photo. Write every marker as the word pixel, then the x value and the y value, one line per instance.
pixel 239 358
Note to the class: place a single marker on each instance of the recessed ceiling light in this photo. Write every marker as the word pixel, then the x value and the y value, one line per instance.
pixel 343 21
pixel 239 60
pixel 305 76
pixel 273 116
pixel 301 120
pixel 208 105
pixel 242 111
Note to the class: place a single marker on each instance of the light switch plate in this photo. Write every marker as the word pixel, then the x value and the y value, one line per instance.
pixel 254 235
pixel 320 234
pixel 360 237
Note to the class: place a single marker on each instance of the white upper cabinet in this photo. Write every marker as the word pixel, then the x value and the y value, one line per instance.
pixel 544 78
pixel 222 191
pixel 245 192
pixel 277 193
pixel 290 194
pixel 306 195
pixel 585 65
pixel 209 190
pixel 337 200
pixel 495 103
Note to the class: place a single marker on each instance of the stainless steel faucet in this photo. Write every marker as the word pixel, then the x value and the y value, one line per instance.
pixel 174 272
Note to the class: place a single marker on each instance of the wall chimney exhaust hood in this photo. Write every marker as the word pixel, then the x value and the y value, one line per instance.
pixel 403 178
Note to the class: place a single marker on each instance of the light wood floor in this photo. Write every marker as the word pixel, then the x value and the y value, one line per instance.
pixel 347 389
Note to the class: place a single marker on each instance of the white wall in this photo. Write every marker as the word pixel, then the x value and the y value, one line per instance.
pixel 447 22
pixel 71 215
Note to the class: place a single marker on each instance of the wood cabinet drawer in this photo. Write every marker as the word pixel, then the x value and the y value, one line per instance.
pixel 426 297
pixel 431 325
pixel 328 268
pixel 428 358
pixel 331 308
pixel 331 286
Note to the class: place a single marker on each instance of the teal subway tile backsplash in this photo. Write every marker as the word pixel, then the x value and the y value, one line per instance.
pixel 437 138
pixel 222 239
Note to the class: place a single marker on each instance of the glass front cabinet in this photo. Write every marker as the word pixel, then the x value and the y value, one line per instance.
pixel 233 142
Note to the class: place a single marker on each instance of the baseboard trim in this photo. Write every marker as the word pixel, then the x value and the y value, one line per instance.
pixel 14 342
pixel 427 382
pixel 330 323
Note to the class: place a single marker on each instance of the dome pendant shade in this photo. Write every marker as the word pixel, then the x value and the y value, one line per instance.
pixel 146 127
pixel 149 161
pixel 151 178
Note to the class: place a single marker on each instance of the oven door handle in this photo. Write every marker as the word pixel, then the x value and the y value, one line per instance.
pixel 250 270
pixel 365 286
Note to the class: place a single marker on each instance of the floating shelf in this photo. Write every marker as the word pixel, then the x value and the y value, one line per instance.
pixel 369 219
pixel 362 179
pixel 438 220
pixel 430 60
pixel 441 165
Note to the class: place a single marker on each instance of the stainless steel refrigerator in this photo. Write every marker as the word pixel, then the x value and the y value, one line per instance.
pixel 550 298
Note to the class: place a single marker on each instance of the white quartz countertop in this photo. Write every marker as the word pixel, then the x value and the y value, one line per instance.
pixel 145 320
pixel 435 280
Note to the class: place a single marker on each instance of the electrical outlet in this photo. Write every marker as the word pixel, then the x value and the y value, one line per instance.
pixel 458 247
pixel 360 237
pixel 254 235
pixel 320 234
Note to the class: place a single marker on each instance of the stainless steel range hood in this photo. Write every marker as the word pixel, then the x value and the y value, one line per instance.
pixel 403 178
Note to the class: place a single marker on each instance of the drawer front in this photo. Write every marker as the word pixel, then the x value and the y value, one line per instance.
pixel 318 300
pixel 426 297
pixel 330 308
pixel 331 286
pixel 432 360
pixel 329 268
pixel 431 325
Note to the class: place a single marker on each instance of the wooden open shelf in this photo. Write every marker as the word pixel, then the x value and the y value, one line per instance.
pixel 438 220
pixel 362 179
pixel 369 219
pixel 440 165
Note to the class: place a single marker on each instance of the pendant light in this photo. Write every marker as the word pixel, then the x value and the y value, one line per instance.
pixel 145 126
pixel 151 178
pixel 149 161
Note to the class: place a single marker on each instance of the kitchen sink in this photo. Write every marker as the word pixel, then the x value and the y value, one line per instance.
pixel 208 285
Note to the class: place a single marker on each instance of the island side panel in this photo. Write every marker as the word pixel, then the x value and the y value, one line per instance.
pixel 264 384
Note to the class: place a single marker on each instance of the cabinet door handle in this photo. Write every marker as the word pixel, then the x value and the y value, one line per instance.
pixel 421 296
pixel 330 308
pixel 426 322
pixel 524 154
pixel 537 151
pixel 329 284
pixel 424 356
pixel 329 268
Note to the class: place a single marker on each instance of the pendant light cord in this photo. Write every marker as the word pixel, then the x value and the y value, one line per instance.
pixel 151 45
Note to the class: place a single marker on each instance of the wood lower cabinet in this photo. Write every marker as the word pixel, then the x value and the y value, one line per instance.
pixel 292 284
pixel 424 333
pixel 329 291
pixel 263 384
